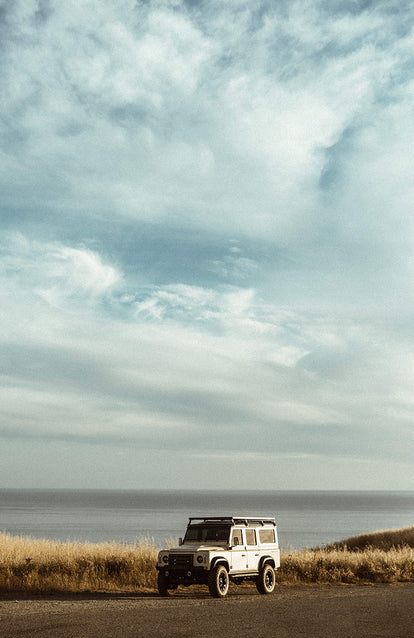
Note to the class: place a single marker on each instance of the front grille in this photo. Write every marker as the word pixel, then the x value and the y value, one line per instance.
pixel 183 561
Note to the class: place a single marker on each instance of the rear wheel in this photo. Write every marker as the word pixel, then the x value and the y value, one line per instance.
pixel 162 583
pixel 218 581
pixel 266 580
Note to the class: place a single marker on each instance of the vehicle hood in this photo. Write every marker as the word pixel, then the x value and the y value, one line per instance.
pixel 193 547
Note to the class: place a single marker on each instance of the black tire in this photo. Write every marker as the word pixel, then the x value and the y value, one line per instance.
pixel 162 583
pixel 266 580
pixel 218 581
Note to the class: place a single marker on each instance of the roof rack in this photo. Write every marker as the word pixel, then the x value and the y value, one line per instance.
pixel 234 520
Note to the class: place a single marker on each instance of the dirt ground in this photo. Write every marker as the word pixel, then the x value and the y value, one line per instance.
pixel 323 611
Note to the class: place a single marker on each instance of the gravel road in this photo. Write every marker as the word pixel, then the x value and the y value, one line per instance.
pixel 293 611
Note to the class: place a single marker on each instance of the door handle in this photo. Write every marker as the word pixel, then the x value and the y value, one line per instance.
pixel 257 554
pixel 243 554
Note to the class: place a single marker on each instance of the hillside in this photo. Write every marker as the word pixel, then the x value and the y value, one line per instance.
pixel 384 540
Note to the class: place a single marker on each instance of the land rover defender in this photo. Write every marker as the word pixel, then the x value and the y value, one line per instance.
pixel 217 550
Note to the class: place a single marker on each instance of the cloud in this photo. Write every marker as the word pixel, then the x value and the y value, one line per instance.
pixel 206 226
pixel 182 366
pixel 55 272
pixel 142 117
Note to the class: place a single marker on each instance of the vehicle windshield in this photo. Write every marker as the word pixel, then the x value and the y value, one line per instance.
pixel 201 533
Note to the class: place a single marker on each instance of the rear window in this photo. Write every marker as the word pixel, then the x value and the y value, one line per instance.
pixel 267 535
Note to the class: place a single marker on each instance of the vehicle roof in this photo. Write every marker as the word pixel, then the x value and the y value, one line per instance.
pixel 232 520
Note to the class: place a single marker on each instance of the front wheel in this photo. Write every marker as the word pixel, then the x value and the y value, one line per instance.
pixel 218 581
pixel 266 580
pixel 162 583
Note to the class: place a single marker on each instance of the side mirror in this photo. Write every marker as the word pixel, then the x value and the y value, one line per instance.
pixel 180 541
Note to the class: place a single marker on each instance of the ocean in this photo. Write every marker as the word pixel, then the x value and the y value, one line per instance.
pixel 304 518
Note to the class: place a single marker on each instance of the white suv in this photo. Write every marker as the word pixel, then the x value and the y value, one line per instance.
pixel 220 549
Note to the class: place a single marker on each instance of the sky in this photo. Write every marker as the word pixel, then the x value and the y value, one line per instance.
pixel 206 240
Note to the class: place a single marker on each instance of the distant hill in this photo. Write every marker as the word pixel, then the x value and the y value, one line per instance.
pixel 384 540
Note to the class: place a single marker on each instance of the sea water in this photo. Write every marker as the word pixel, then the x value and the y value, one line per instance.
pixel 304 518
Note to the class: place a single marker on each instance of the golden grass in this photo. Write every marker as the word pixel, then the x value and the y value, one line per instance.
pixel 344 566
pixel 27 564
pixel 379 557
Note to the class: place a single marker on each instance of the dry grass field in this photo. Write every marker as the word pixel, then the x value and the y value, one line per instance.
pixel 345 566
pixel 33 565
pixel 27 564
pixel 379 557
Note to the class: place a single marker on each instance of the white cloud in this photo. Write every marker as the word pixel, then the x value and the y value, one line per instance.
pixel 143 118
pixel 56 272
pixel 211 226
pixel 188 364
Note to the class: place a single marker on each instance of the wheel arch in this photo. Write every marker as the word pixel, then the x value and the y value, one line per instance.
pixel 219 560
pixel 267 560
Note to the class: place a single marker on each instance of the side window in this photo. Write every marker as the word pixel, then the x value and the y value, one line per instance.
pixel 236 537
pixel 267 535
pixel 250 537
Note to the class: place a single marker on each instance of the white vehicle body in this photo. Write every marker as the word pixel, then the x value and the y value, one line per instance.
pixel 242 545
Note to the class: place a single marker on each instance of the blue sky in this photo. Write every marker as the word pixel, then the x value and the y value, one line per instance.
pixel 206 216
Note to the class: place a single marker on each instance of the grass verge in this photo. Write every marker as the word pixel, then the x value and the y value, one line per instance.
pixel 28 564
pixel 379 557
pixel 345 566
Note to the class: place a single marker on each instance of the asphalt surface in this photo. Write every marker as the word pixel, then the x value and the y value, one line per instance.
pixel 292 611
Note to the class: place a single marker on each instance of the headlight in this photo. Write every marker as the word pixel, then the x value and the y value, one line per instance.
pixel 165 558
pixel 199 559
